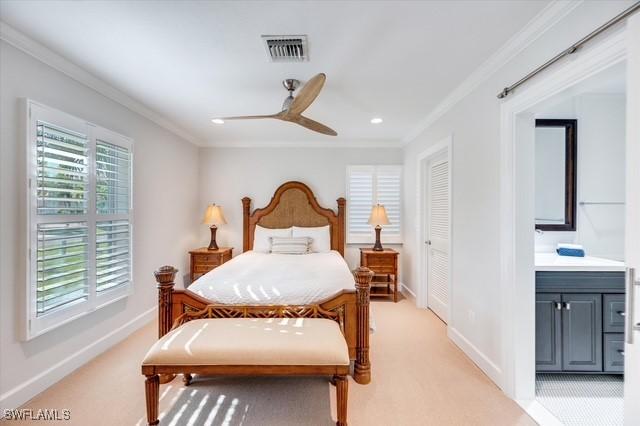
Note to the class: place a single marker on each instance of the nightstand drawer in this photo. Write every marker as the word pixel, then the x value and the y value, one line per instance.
pixel 382 269
pixel 209 259
pixel 203 267
pixel 380 260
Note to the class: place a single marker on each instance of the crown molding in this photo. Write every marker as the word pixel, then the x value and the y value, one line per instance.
pixel 62 64
pixel 384 143
pixel 541 23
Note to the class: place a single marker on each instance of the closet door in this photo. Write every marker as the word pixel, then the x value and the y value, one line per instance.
pixel 438 236
pixel 582 332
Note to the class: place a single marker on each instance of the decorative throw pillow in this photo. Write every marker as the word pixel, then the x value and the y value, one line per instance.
pixel 261 241
pixel 320 235
pixel 280 245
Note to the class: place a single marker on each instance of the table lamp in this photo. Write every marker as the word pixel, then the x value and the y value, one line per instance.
pixel 378 218
pixel 213 216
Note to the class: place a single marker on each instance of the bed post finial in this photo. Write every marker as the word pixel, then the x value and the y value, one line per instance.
pixel 362 366
pixel 246 213
pixel 165 277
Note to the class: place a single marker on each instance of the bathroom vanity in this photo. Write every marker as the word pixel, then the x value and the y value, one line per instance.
pixel 579 314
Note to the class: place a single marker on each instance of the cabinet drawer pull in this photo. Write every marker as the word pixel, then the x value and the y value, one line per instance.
pixel 559 306
pixel 621 313
pixel 621 352
pixel 567 306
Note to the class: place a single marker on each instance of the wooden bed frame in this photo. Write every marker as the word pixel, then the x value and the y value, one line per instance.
pixel 293 204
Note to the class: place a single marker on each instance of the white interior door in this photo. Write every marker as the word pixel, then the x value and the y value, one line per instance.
pixel 437 242
pixel 632 237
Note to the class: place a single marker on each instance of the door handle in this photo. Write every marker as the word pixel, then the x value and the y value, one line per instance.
pixel 567 306
pixel 428 242
pixel 559 306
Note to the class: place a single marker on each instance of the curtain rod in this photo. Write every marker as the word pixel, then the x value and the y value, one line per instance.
pixel 571 50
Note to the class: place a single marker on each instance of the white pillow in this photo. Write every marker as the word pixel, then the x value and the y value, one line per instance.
pixel 292 245
pixel 261 237
pixel 321 236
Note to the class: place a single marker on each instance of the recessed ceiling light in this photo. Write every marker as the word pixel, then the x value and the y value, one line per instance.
pixel 217 121
pixel 376 120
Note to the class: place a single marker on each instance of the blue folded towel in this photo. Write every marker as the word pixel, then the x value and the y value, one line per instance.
pixel 563 251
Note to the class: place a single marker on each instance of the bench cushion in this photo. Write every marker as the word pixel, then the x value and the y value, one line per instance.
pixel 250 341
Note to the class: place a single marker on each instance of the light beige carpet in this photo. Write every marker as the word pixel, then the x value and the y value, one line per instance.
pixel 419 378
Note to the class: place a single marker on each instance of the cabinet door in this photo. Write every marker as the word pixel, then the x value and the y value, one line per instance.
pixel 582 332
pixel 548 332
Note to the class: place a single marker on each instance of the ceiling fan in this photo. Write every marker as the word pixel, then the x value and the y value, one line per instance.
pixel 293 107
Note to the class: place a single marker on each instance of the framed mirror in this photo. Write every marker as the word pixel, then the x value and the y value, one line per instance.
pixel 555 175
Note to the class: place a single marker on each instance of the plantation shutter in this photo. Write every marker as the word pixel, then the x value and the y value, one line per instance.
pixel 62 170
pixel 360 199
pixel 369 185
pixel 79 214
pixel 388 190
pixel 113 204
pixel 62 186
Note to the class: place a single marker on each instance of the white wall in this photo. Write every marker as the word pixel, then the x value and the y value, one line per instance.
pixel 474 123
pixel 166 211
pixel 228 174
pixel 600 177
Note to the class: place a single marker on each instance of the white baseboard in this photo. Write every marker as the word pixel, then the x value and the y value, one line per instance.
pixel 22 393
pixel 404 288
pixel 480 359
pixel 539 413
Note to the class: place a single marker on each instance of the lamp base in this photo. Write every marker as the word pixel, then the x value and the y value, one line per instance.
pixel 378 245
pixel 213 245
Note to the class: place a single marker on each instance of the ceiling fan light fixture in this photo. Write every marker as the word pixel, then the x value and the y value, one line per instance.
pixel 217 121
pixel 376 120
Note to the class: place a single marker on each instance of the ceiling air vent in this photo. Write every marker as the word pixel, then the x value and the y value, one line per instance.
pixel 286 48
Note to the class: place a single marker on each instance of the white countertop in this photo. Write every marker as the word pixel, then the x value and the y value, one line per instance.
pixel 553 262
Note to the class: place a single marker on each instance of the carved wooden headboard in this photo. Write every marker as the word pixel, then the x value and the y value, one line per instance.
pixel 294 204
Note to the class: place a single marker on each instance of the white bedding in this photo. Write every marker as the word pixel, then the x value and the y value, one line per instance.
pixel 254 278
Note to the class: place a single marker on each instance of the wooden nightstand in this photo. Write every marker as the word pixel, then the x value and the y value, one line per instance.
pixel 384 264
pixel 203 260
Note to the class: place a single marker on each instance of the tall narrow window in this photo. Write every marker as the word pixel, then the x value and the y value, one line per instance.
pixel 79 178
pixel 369 185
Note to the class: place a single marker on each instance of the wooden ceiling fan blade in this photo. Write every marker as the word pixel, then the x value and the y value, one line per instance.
pixel 313 125
pixel 250 117
pixel 307 94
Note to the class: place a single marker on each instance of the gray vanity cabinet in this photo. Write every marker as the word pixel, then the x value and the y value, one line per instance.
pixel 579 319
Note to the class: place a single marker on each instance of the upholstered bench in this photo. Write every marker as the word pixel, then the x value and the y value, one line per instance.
pixel 250 347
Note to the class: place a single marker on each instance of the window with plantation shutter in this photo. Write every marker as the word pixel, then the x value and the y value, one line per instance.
pixel 369 185
pixel 80 218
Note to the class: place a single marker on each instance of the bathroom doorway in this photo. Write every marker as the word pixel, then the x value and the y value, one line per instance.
pixel 585 74
pixel 579 214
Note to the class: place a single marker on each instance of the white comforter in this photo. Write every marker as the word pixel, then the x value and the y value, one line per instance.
pixel 276 279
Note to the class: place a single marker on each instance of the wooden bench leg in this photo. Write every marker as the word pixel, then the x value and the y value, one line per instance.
pixel 186 379
pixel 152 393
pixel 342 389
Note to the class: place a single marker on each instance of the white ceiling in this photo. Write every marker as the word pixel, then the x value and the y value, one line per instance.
pixel 191 61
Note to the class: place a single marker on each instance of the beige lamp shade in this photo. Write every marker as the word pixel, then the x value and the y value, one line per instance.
pixel 214 215
pixel 378 216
